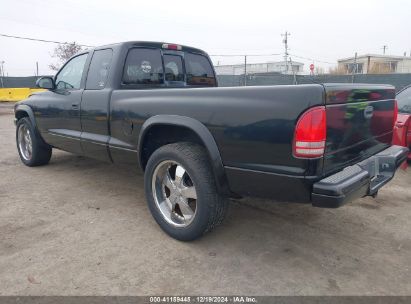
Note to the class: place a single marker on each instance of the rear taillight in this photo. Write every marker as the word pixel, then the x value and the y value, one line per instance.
pixel 310 134
pixel 395 113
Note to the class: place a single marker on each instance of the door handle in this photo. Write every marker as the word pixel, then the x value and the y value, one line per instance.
pixel 75 106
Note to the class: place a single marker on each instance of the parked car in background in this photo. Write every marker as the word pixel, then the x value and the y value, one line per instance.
pixel 402 128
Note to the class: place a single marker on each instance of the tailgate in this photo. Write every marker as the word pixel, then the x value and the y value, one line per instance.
pixel 359 122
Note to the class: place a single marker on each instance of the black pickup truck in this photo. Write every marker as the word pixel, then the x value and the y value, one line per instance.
pixel 157 106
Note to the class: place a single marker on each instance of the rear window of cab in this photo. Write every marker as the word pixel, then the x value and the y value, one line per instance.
pixel 149 67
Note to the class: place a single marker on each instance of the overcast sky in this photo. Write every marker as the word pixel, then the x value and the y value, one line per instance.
pixel 322 30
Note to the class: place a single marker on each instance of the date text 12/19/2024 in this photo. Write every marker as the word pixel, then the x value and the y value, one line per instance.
pixel 203 299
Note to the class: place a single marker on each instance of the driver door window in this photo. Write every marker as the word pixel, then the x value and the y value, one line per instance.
pixel 69 78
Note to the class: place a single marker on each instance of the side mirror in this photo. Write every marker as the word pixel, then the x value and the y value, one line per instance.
pixel 45 83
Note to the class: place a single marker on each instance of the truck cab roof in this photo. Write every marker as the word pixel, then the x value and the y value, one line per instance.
pixel 150 44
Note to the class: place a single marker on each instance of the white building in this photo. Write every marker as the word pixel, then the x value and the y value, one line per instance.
pixel 375 64
pixel 255 68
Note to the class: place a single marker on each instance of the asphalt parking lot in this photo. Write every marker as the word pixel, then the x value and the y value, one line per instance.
pixel 81 227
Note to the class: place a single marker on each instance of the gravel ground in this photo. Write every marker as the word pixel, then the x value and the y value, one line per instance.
pixel 81 227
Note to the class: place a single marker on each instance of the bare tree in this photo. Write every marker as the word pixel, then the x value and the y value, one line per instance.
pixel 319 70
pixel 380 68
pixel 339 70
pixel 64 52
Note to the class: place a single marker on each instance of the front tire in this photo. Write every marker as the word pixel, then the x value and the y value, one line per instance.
pixel 32 150
pixel 181 192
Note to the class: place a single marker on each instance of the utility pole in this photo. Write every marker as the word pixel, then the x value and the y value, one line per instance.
pixel 285 41
pixel 37 68
pixel 245 70
pixel 384 47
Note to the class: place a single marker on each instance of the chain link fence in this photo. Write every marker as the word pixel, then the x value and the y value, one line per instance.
pixel 18 82
pixel 397 80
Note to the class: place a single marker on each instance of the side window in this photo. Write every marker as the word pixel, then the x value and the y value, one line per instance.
pixel 404 101
pixel 99 68
pixel 173 68
pixel 199 70
pixel 70 76
pixel 143 66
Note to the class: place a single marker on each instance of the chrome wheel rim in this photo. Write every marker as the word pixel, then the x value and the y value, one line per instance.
pixel 174 193
pixel 25 142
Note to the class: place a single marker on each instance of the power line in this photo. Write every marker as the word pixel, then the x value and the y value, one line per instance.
pixel 41 40
pixel 59 42
pixel 312 59
pixel 242 55
pixel 214 55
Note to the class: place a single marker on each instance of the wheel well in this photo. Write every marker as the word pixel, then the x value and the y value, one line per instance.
pixel 21 114
pixel 160 135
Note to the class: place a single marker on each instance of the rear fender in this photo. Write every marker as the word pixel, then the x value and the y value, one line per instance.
pixel 202 132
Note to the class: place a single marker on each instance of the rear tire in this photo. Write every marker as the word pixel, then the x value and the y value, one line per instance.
pixel 32 150
pixel 181 192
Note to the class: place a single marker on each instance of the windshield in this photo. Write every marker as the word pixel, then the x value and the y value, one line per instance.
pixel 404 101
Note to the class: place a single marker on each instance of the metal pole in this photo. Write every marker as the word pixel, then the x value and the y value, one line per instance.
pixel 368 63
pixel 294 75
pixel 245 70
pixel 285 41
pixel 354 70
pixel 37 68
pixel 1 77
pixel 2 73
